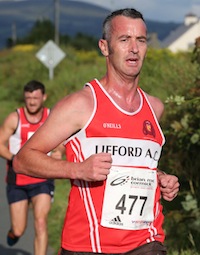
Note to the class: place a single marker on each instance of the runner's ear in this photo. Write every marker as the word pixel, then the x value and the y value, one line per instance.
pixel 103 45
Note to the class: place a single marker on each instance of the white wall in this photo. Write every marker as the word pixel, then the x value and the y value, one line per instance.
pixel 187 40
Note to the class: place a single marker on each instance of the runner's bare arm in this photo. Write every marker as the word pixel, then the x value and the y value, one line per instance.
pixel 157 106
pixel 59 126
pixel 6 130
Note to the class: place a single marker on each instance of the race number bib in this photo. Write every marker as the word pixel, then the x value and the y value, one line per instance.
pixel 129 198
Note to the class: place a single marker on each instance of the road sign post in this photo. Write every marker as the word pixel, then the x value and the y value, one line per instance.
pixel 50 55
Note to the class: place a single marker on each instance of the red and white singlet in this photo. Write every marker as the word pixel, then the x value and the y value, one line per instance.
pixel 24 131
pixel 123 212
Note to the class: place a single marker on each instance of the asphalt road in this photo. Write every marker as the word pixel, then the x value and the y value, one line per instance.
pixel 25 244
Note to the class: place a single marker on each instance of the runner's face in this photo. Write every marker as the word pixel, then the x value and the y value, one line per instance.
pixel 34 101
pixel 128 45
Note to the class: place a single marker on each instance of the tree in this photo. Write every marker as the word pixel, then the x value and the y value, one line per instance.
pixel 182 131
pixel 42 31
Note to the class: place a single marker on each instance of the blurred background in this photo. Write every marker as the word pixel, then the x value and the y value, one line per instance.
pixel 171 72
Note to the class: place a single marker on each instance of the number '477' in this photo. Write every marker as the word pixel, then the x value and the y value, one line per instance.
pixel 121 205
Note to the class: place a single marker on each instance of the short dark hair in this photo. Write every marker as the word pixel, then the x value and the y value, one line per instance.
pixel 34 85
pixel 127 12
